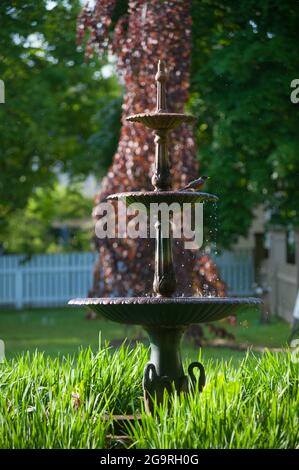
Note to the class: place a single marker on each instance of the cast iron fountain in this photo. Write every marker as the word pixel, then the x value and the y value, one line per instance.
pixel 163 315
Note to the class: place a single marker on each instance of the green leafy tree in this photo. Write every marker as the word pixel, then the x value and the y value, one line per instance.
pixel 245 56
pixel 53 117
pixel 54 220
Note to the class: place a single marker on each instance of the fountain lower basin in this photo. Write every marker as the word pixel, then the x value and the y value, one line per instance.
pixel 169 312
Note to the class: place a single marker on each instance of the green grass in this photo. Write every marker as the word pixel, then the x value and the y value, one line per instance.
pixel 60 331
pixel 253 406
pixel 250 331
pixel 59 402
pixel 48 402
pixel 57 399
pixel 55 331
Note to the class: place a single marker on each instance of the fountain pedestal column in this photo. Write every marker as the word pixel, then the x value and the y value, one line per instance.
pixel 164 280
pixel 165 370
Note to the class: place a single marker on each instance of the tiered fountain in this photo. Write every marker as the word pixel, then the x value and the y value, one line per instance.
pixel 163 315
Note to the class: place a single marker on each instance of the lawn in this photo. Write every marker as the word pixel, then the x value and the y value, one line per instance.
pixel 60 331
pixel 58 381
pixel 49 402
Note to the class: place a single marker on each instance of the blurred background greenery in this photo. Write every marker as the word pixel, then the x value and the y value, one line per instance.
pixel 61 119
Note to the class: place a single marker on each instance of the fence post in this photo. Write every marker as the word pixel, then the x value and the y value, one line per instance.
pixel 277 256
pixel 297 255
pixel 19 287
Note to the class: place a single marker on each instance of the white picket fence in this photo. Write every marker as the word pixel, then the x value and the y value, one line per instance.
pixel 237 271
pixel 51 280
pixel 45 280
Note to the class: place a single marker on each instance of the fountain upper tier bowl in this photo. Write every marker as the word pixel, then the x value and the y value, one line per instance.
pixel 166 311
pixel 161 120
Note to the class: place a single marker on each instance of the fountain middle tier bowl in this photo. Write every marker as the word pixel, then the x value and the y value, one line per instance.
pixel 148 197
pixel 164 311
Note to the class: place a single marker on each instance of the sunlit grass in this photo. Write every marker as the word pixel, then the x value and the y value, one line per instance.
pixel 254 406
pixel 60 403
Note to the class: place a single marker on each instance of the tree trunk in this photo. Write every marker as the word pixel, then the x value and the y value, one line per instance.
pixel 150 30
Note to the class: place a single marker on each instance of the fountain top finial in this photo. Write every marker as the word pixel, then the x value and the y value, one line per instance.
pixel 161 118
pixel 161 78
pixel 161 72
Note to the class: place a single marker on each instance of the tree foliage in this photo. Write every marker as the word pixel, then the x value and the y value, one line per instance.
pixel 61 114
pixel 244 58
pixel 53 115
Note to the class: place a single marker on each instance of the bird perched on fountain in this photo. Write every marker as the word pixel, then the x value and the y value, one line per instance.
pixel 195 185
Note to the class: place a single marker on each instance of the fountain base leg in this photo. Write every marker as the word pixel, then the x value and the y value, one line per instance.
pixel 165 370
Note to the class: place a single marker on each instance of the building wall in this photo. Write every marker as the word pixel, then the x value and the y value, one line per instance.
pixel 280 277
pixel 257 226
